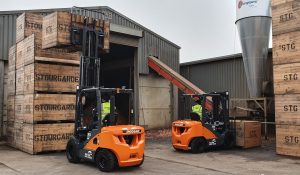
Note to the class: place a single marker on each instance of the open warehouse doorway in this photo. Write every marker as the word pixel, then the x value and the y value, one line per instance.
pixel 117 71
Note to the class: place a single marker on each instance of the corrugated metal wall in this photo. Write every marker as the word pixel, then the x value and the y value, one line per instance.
pixel 220 74
pixel 7 34
pixel 150 44
pixel 223 75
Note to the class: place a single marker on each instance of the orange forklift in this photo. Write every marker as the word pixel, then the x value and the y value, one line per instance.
pixel 215 128
pixel 98 139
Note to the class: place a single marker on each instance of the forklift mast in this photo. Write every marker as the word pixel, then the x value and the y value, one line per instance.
pixel 90 39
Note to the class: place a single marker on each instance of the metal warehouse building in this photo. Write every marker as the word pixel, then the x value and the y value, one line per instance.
pixel 224 73
pixel 126 65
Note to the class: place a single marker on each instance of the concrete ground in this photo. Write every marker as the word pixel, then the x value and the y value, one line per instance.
pixel 160 159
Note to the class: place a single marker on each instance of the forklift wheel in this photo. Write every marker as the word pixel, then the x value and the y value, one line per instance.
pixel 71 152
pixel 229 141
pixel 106 160
pixel 198 145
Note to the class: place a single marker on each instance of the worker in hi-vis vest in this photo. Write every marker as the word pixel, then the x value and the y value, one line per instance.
pixel 198 110
pixel 105 108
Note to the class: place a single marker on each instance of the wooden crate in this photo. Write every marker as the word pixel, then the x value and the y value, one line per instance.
pixel 11 108
pixel 50 78
pixel 18 135
pixel 11 84
pixel 248 133
pixel 33 52
pixel 287 78
pixel 57 27
pixel 49 107
pixel 286 48
pixel 18 109
pixel 27 24
pixel 287 109
pixel 20 81
pixel 286 17
pixel 12 58
pixel 278 2
pixel 288 140
pixel 46 137
pixel 20 55
pixel 10 133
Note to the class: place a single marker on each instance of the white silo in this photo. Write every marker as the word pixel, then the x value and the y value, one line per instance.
pixel 254 23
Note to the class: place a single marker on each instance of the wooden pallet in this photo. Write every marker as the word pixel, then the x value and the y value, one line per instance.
pixel 286 17
pixel 287 78
pixel 52 78
pixel 288 140
pixel 286 48
pixel 57 27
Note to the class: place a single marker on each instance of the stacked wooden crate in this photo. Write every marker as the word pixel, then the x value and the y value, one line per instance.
pixel 42 85
pixel 286 60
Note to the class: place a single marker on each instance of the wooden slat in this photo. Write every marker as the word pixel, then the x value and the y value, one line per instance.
pixel 10 133
pixel 286 48
pixel 20 81
pixel 50 78
pixel 286 17
pixel 11 84
pixel 12 58
pixel 287 109
pixel 106 35
pixel 57 60
pixel 48 107
pixel 19 112
pixel 287 78
pixel 11 108
pixel 20 55
pixel 288 140
pixel 18 135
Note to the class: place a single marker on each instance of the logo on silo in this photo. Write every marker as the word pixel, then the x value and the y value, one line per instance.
pixel 250 3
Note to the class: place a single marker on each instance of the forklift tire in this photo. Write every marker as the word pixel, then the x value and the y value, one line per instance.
pixel 198 145
pixel 105 160
pixel 229 141
pixel 71 152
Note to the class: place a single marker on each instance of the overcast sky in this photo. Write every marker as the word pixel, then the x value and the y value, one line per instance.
pixel 202 28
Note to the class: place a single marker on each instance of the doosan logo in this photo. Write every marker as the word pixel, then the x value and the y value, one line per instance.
pixel 248 3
